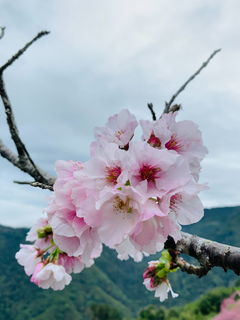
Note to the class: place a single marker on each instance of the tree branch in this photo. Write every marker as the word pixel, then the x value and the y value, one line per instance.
pixel 8 154
pixel 150 107
pixel 23 160
pixel 168 104
pixel 36 184
pixel 200 271
pixel 21 51
pixel 2 32
pixel 209 254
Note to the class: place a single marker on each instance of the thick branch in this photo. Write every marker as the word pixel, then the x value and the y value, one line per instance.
pixel 168 104
pixel 209 253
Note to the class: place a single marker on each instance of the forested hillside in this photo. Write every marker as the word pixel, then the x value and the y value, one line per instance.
pixel 110 281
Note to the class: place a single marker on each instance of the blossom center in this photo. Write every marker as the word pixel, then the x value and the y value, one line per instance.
pixel 149 173
pixel 112 174
pixel 173 144
pixel 119 133
pixel 154 141
pixel 121 206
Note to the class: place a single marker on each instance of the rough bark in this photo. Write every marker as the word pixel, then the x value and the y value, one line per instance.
pixel 208 253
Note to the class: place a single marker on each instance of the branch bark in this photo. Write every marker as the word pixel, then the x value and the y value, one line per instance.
pixel 208 253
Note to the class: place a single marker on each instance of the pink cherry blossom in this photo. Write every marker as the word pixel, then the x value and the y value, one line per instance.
pixel 159 285
pixel 74 237
pixel 186 139
pixel 119 210
pixel 37 269
pixel 126 249
pixel 66 169
pixel 71 264
pixel 156 133
pixel 148 237
pixel 183 137
pixel 84 200
pixel 119 129
pixel 184 203
pixel 50 276
pixel 28 257
pixel 70 232
pixel 104 169
pixel 154 171
pixel 64 185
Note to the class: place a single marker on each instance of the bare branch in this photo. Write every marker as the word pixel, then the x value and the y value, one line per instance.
pixel 2 32
pixel 21 51
pixel 168 104
pixel 25 167
pixel 199 271
pixel 36 184
pixel 8 154
pixel 11 122
pixel 23 160
pixel 150 107
pixel 209 253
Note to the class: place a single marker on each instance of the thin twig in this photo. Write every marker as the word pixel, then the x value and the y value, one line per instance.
pixel 21 51
pixel 2 32
pixel 168 104
pixel 35 184
pixel 150 107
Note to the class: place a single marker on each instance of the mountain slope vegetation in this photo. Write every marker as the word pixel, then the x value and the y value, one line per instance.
pixel 109 281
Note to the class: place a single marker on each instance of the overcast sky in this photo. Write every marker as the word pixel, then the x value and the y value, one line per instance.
pixel 105 55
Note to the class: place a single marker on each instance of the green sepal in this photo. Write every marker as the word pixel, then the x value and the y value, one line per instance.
pixel 162 274
pixel 41 233
pixel 44 232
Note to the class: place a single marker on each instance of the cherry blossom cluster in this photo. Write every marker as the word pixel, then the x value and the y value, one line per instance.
pixel 130 196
